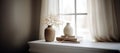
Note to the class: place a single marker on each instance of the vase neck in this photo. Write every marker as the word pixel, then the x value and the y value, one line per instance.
pixel 68 23
pixel 49 25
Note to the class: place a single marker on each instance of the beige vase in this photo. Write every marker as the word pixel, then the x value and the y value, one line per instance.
pixel 68 30
pixel 49 34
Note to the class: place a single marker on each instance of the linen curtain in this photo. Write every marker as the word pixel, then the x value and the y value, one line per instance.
pixel 101 15
pixel 103 26
pixel 48 8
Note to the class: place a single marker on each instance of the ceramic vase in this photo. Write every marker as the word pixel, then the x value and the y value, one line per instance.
pixel 49 34
pixel 68 30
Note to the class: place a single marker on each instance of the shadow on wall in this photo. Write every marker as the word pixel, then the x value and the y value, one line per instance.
pixel 117 10
pixel 19 23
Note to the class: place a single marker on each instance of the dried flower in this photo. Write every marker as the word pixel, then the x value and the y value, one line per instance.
pixel 52 20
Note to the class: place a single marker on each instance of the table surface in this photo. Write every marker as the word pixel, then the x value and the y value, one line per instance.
pixel 98 45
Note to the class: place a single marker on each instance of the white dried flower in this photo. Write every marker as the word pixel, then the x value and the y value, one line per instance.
pixel 52 20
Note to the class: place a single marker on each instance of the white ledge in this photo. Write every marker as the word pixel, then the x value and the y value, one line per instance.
pixel 88 45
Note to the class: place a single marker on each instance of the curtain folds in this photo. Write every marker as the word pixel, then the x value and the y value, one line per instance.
pixel 48 8
pixel 102 18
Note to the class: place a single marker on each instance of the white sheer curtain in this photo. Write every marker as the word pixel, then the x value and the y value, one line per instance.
pixel 102 20
pixel 48 8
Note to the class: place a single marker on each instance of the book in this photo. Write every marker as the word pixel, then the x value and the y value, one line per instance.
pixel 67 39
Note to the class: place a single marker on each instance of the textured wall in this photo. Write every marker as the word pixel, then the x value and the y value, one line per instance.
pixel 117 9
pixel 19 23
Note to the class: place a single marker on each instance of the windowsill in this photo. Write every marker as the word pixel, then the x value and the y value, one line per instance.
pixel 88 45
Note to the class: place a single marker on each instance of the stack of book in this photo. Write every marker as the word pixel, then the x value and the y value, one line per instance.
pixel 67 39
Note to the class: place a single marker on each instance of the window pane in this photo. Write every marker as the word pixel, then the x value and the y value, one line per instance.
pixel 65 19
pixel 66 6
pixel 81 6
pixel 83 27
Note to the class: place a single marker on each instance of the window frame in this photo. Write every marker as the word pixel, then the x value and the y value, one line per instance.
pixel 75 14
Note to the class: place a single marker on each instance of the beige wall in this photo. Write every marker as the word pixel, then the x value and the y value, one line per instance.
pixel 117 9
pixel 19 23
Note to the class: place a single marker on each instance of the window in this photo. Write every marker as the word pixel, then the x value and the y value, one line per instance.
pixel 75 12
